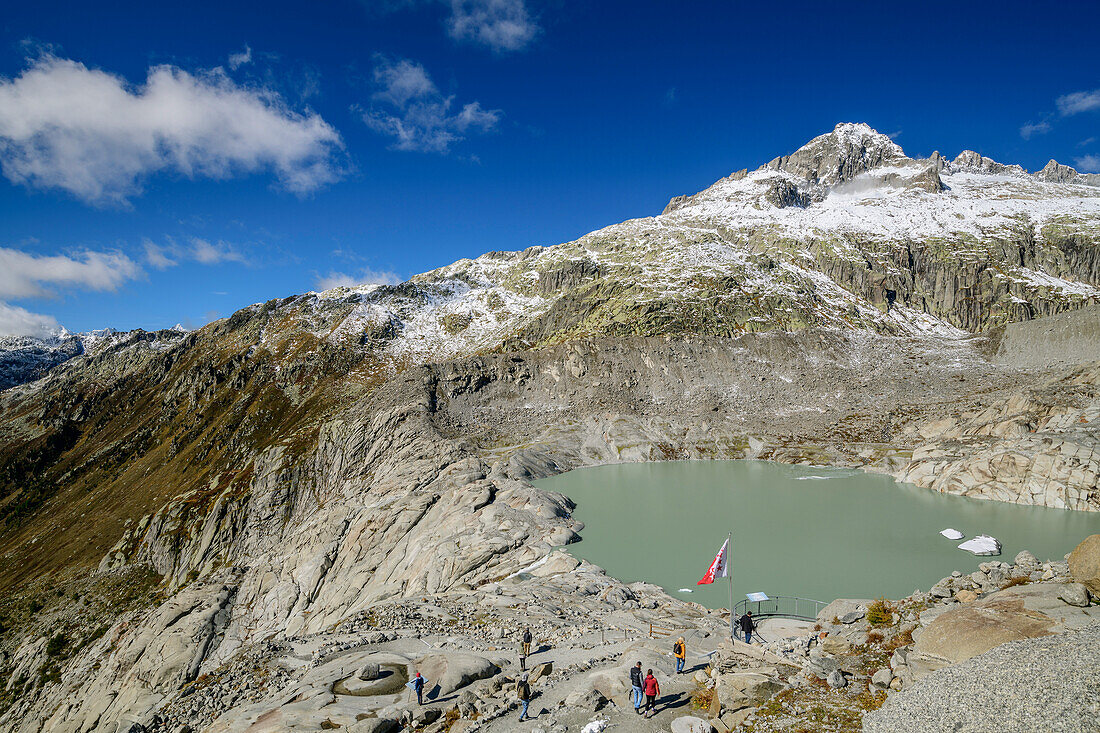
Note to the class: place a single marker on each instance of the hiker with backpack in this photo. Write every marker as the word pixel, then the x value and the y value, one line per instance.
pixel 679 650
pixel 525 649
pixel 523 692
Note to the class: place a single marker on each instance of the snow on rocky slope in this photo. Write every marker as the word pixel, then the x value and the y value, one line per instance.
pixel 27 358
pixel 820 237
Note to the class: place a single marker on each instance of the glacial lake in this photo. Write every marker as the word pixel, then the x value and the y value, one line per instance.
pixel 806 531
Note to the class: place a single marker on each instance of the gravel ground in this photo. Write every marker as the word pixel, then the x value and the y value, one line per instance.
pixel 1049 684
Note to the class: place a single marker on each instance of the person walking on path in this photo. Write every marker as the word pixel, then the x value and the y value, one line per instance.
pixel 679 650
pixel 747 626
pixel 523 692
pixel 527 642
pixel 652 689
pixel 418 688
pixel 636 686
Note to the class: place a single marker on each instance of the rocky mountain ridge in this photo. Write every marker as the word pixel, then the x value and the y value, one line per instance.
pixel 821 238
pixel 28 358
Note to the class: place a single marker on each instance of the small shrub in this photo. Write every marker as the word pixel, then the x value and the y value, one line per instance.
pixel 875 637
pixel 55 647
pixel 48 672
pixel 34 606
pixel 867 700
pixel 905 638
pixel 1014 582
pixel 703 698
pixel 880 613
pixel 93 635
pixel 450 718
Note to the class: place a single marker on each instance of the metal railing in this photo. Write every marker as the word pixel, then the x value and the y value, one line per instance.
pixel 804 609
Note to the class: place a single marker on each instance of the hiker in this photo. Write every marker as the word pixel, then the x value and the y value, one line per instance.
pixel 679 650
pixel 652 690
pixel 636 686
pixel 523 692
pixel 418 688
pixel 747 626
pixel 527 642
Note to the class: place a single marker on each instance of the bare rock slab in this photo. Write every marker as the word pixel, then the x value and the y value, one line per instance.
pixel 691 724
pixel 1084 563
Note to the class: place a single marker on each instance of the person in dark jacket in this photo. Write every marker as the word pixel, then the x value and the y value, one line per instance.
pixel 527 642
pixel 418 688
pixel 523 692
pixel 636 686
pixel 747 626
pixel 652 690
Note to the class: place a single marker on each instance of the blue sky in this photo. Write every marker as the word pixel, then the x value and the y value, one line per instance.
pixel 167 164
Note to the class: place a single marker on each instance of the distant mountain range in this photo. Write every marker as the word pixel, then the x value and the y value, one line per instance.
pixel 26 358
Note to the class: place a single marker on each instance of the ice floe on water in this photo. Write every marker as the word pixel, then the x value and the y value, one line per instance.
pixel 983 544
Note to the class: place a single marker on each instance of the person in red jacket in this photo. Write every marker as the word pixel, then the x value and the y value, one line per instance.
pixel 652 690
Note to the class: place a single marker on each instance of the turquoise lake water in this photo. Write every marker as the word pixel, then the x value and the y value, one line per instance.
pixel 797 530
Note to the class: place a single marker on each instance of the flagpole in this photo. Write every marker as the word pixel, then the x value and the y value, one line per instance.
pixel 729 566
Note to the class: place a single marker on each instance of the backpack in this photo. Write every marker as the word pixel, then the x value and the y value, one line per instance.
pixel 677 649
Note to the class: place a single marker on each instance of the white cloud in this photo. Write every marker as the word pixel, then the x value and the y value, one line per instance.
pixel 1071 104
pixel 16 321
pixel 25 275
pixel 1031 129
pixel 403 81
pixel 163 256
pixel 237 60
pixel 88 132
pixel 1086 142
pixel 157 256
pixel 336 279
pixel 208 253
pixel 502 25
pixel 409 108
pixel 1088 163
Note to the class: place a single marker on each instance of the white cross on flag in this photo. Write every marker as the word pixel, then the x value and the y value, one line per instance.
pixel 717 568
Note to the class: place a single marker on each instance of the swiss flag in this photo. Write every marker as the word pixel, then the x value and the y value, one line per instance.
pixel 717 568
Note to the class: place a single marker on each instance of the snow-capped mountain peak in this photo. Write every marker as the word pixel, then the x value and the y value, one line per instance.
pixel 838 156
